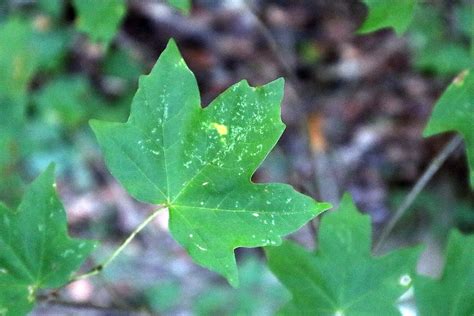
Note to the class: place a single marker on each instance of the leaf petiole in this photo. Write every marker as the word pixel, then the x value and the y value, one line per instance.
pixel 97 269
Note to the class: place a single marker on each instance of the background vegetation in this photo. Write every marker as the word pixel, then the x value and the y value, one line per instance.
pixel 355 108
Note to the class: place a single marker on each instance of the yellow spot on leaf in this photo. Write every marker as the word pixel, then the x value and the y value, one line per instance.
pixel 459 80
pixel 220 128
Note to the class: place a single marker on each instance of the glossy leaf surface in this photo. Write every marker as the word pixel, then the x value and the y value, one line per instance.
pixel 35 249
pixel 453 294
pixel 199 163
pixel 396 14
pixel 454 111
pixel 342 277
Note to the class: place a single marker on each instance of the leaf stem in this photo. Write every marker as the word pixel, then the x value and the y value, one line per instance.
pixel 97 269
pixel 419 186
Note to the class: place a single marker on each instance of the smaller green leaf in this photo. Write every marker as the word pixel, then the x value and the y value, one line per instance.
pixel 18 61
pixel 24 51
pixel 396 14
pixel 52 7
pixel 11 136
pixel 465 18
pixel 182 5
pixel 259 293
pixel 62 101
pixel 35 249
pixel 68 101
pixel 434 51
pixel 164 296
pixel 443 58
pixel 342 277
pixel 453 294
pixel 99 19
pixel 454 111
pixel 50 48
pixel 121 64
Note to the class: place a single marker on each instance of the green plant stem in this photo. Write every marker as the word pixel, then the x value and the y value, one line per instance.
pixel 419 186
pixel 97 269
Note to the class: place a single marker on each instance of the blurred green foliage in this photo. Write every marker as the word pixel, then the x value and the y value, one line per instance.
pixel 67 101
pixel 183 5
pixel 453 293
pixel 163 297
pixel 18 58
pixel 99 19
pixel 259 293
pixel 382 14
pixel 454 111
pixel 438 47
pixel 11 125
pixel 45 105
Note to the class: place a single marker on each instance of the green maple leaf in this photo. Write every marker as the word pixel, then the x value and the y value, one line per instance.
pixel 342 277
pixel 454 111
pixel 396 14
pixel 99 19
pixel 35 249
pixel 453 294
pixel 198 162
pixel 182 5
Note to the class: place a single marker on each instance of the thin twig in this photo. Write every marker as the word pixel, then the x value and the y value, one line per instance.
pixel 279 53
pixel 90 306
pixel 97 269
pixel 420 184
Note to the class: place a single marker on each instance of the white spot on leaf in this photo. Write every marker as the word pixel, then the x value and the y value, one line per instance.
pixel 405 280
pixel 201 247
